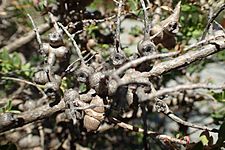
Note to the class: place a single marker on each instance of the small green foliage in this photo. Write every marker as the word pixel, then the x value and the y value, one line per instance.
pixel 91 28
pixel 196 67
pixel 11 63
pixel 128 52
pixel 220 97
pixel 221 55
pixel 104 50
pixel 192 22
pixel 136 31
pixel 204 140
pixel 8 108
pixel 219 114
pixel 133 5
pixel 82 87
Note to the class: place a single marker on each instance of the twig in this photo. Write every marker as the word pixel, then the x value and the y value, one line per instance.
pixel 140 60
pixel 151 133
pixel 161 106
pixel 219 25
pixel 54 21
pixel 91 106
pixel 156 15
pixel 160 31
pixel 118 22
pixel 27 82
pixel 145 126
pixel 181 88
pixel 73 42
pixel 211 21
pixel 92 21
pixel 25 38
pixel 205 41
pixel 36 31
pixel 146 30
pixel 189 124
pixel 42 135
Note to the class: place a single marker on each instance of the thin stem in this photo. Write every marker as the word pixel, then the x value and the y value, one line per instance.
pixel 36 31
pixel 27 82
pixel 73 42
pixel 211 21
pixel 118 22
pixel 146 29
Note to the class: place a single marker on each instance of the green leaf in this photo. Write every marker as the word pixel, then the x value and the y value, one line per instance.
pixel 8 106
pixel 15 111
pixel 204 140
pixel 4 55
pixel 16 60
pixel 220 97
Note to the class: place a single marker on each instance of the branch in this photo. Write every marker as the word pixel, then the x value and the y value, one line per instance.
pixel 150 133
pixel 25 39
pixel 202 42
pixel 186 59
pixel 161 106
pixel 27 82
pixel 181 88
pixel 118 22
pixel 31 116
pixel 73 42
pixel 146 32
pixel 35 30
pixel 140 60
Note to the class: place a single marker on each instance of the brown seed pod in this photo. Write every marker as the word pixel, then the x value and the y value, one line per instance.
pixel 97 82
pixel 146 47
pixel 118 59
pixel 53 91
pixel 90 123
pixel 93 117
pixel 60 52
pixel 98 101
pixel 83 73
pixel 40 77
pixel 55 39
pixel 70 95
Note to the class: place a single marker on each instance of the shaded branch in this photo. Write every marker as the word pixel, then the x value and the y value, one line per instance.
pixel 143 59
pixel 150 133
pixel 181 88
pixel 31 116
pixel 161 106
pixel 211 21
pixel 73 42
pixel 118 22
pixel 186 59
pixel 26 38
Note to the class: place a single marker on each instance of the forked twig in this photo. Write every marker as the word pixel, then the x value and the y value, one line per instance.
pixel 211 21
pixel 73 42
